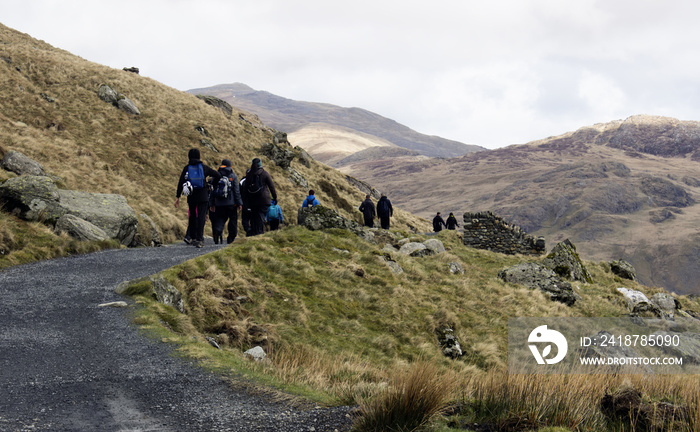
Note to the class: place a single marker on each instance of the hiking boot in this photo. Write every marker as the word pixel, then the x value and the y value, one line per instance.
pixel 188 240
pixel 198 244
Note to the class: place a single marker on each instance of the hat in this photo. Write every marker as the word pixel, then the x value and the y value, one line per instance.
pixel 257 163
pixel 193 154
pixel 226 162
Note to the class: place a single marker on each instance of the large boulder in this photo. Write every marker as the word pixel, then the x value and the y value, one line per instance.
pixel 36 198
pixel 666 303
pixel 111 96
pixel 20 164
pixel 535 276
pixel 217 103
pixel 639 304
pixel 564 261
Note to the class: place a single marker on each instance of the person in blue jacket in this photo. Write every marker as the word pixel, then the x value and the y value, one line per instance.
pixel 310 200
pixel 274 215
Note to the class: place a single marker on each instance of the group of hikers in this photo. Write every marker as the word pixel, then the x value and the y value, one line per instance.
pixel 224 197
pixel 254 197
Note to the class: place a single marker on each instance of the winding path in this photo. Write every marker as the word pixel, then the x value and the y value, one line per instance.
pixel 67 365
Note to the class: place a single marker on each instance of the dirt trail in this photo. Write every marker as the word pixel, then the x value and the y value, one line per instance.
pixel 67 365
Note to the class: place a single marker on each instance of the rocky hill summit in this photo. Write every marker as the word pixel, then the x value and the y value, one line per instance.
pixel 293 116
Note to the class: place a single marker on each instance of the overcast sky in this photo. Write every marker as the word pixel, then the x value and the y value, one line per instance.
pixel 486 72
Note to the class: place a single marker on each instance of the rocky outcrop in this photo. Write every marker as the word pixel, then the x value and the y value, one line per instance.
pixel 639 304
pixel 364 187
pixel 535 276
pixel 20 164
pixel 449 345
pixel 422 249
pixel 627 406
pixel 564 261
pixel 623 269
pixel 37 198
pixel 224 106
pixel 109 95
pixel 320 217
pixel 488 231
pixel 281 155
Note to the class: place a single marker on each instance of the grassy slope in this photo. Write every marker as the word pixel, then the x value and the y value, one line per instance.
pixel 95 147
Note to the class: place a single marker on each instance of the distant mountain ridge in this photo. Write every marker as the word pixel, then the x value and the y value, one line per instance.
pixel 623 189
pixel 288 115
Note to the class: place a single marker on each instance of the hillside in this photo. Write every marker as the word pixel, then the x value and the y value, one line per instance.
pixel 626 189
pixel 51 112
pixel 294 116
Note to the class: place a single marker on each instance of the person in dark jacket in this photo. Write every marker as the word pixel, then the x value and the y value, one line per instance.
pixel 368 212
pixel 225 208
pixel 310 201
pixel 438 223
pixel 197 197
pixel 384 211
pixel 259 191
pixel 451 222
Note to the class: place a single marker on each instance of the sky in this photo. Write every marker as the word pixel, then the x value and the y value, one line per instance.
pixel 486 72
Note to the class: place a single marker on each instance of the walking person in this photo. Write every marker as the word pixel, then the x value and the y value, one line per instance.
pixel 438 223
pixel 368 212
pixel 225 204
pixel 259 191
pixel 192 183
pixel 384 211
pixel 451 222
pixel 274 216
pixel 310 200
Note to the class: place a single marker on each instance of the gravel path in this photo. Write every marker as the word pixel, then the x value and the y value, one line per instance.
pixel 67 365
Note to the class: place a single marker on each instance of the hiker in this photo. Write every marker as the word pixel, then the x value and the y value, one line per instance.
pixel 274 215
pixel 451 222
pixel 367 209
pixel 224 205
pixel 245 212
pixel 438 223
pixel 310 200
pixel 384 211
pixel 193 185
pixel 259 191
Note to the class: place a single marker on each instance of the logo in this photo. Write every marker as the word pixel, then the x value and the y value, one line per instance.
pixel 543 335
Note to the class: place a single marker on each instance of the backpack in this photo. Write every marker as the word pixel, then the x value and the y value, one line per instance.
pixel 309 202
pixel 273 212
pixel 195 175
pixel 254 184
pixel 223 187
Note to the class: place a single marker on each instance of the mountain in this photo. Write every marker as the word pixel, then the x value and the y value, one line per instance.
pixel 625 189
pixel 305 121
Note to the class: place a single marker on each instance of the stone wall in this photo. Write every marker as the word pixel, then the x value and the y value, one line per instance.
pixel 487 231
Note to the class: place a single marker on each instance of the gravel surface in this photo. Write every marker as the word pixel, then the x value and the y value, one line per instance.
pixel 67 365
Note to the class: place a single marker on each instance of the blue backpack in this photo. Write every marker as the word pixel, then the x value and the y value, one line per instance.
pixel 273 212
pixel 195 175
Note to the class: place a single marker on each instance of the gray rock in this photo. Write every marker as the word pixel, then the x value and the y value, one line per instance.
pixel 107 94
pixel 116 304
pixel 127 105
pixel 152 231
pixel 320 217
pixel 535 276
pixel 20 164
pixel 80 228
pixel 415 249
pixel 224 106
pixel 455 268
pixel 36 198
pixel 435 246
pixel 256 353
pixel 639 304
pixel 303 156
pixel 393 265
pixel 623 269
pixel 166 293
pixel 448 342
pixel 564 261
pixel 281 155
pixel 666 303
pixel 296 177
pixel 110 212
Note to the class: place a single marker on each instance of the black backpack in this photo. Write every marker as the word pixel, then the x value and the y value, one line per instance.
pixel 254 184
